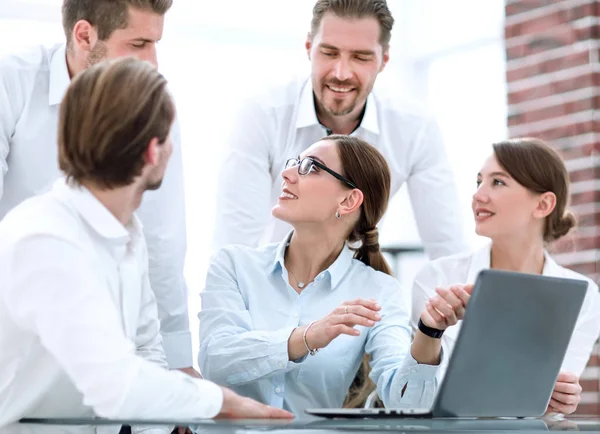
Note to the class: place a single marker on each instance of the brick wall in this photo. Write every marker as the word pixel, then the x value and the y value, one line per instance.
pixel 553 84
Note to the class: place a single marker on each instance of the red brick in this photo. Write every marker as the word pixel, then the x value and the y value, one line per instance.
pixel 588 410
pixel 569 152
pixel 525 6
pixel 556 111
pixel 544 22
pixel 585 197
pixel 590 385
pixel 587 269
pixel 561 132
pixel 547 66
pixel 582 81
pixel 585 174
pixel 561 36
pixel 574 243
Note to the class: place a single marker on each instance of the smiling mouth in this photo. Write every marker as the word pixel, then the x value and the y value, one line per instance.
pixel 484 214
pixel 340 89
pixel 286 195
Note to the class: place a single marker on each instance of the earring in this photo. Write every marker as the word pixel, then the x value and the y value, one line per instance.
pixel 337 215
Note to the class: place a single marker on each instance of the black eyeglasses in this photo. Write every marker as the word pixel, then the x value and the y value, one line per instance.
pixel 307 164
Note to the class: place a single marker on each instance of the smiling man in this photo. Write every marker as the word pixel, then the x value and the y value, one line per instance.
pixel 32 85
pixel 348 46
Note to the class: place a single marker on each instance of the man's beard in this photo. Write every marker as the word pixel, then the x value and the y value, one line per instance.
pixel 98 54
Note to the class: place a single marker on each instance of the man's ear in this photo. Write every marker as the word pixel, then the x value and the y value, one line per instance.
pixel 386 58
pixel 84 35
pixel 351 202
pixel 308 44
pixel 151 156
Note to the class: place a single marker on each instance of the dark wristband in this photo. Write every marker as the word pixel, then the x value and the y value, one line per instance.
pixel 430 331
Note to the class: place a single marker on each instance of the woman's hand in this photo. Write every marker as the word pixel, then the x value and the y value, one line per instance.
pixel 566 394
pixel 447 307
pixel 341 321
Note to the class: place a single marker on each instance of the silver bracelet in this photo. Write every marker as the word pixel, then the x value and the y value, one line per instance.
pixel 311 352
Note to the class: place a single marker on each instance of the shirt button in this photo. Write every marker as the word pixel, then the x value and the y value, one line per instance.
pixel 278 389
pixel 413 371
pixel 295 315
pixel 281 365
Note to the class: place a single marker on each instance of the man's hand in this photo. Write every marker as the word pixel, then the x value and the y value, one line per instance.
pixel 191 372
pixel 238 407
pixel 566 394
pixel 447 307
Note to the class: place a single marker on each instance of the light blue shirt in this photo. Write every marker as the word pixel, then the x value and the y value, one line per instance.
pixel 249 311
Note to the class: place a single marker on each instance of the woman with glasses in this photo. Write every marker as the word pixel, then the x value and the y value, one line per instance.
pixel 288 324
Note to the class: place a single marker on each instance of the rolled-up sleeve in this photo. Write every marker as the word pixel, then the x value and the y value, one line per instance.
pixel 232 352
pixel 401 381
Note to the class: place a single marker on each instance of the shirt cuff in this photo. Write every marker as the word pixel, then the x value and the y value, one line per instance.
pixel 279 349
pixel 211 399
pixel 420 372
pixel 178 349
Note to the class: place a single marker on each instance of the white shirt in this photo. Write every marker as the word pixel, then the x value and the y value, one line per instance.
pixel 282 123
pixel 32 86
pixel 463 268
pixel 249 311
pixel 79 330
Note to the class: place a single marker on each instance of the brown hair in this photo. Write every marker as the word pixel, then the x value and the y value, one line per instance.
pixel 106 15
pixel 538 167
pixel 356 9
pixel 109 114
pixel 366 167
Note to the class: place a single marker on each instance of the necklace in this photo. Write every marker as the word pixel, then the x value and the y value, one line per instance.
pixel 300 284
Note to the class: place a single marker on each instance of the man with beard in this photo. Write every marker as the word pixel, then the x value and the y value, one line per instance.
pixel 79 330
pixel 32 85
pixel 348 46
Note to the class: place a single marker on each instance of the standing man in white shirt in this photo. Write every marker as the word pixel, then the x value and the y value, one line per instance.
pixel 32 85
pixel 348 46
pixel 79 329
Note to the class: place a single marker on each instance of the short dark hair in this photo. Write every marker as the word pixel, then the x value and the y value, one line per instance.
pixel 106 15
pixel 108 116
pixel 356 9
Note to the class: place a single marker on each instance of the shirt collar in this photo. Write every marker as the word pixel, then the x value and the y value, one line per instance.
pixel 97 216
pixel 481 260
pixel 307 115
pixel 336 271
pixel 59 76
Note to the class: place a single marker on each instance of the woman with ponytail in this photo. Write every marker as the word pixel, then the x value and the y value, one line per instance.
pixel 288 324
pixel 521 205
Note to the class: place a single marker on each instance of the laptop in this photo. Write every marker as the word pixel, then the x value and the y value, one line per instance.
pixel 509 351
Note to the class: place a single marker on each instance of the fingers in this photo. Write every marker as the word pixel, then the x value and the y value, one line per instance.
pixel 557 407
pixel 453 300
pixel 565 398
pixel 369 304
pixel 461 294
pixel 436 317
pixel 359 310
pixel 568 388
pixel 277 413
pixel 342 329
pixel 352 319
pixel 567 377
pixel 446 310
